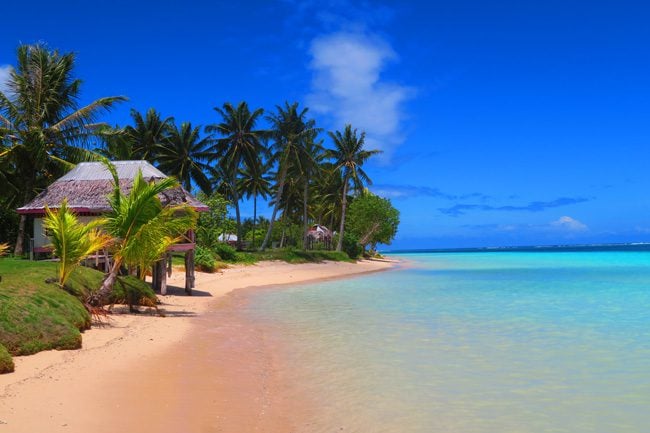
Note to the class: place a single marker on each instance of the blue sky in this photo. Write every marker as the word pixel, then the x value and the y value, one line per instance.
pixel 502 123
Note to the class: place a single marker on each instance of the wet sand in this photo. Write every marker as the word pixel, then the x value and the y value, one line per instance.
pixel 203 368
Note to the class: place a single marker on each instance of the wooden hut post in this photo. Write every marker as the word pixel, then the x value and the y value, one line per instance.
pixel 189 265
pixel 162 275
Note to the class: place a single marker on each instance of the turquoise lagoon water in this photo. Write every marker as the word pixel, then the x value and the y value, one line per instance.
pixel 473 342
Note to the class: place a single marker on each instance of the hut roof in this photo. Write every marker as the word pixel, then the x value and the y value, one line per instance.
pixel 88 185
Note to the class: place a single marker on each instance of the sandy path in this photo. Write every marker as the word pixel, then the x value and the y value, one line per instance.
pixel 146 373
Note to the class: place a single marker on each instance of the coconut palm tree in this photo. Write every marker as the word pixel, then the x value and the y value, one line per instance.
pixel 42 122
pixel 349 155
pixel 148 133
pixel 184 154
pixel 290 130
pixel 240 146
pixel 312 157
pixel 141 228
pixel 256 182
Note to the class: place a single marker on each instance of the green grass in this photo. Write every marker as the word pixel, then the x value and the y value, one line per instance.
pixel 38 315
pixel 6 363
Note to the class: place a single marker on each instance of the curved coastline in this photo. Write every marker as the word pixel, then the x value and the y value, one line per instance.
pixel 146 373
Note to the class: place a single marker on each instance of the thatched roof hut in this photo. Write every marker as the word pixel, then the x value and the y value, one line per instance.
pixel 88 185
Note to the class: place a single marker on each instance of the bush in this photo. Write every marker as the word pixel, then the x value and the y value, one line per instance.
pixel 204 259
pixel 225 252
pixel 6 362
pixel 351 246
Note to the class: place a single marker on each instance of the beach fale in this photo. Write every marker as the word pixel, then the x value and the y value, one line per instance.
pixel 87 187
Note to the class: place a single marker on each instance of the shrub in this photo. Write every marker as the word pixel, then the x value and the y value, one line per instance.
pixel 6 363
pixel 351 246
pixel 204 259
pixel 225 252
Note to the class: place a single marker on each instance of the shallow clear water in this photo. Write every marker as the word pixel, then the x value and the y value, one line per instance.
pixel 473 342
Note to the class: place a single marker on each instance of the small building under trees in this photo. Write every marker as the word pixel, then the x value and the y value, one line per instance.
pixel 87 187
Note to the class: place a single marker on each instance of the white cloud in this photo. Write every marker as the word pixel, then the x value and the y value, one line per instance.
pixel 347 85
pixel 5 70
pixel 569 224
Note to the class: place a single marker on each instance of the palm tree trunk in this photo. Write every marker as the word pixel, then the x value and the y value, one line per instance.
pixel 254 216
pixel 278 194
pixel 99 298
pixel 284 228
pixel 339 245
pixel 305 197
pixel 20 236
pixel 235 195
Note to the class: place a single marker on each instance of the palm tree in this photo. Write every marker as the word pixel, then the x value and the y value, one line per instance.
pixel 240 146
pixel 310 164
pixel 42 121
pixel 72 240
pixel 349 155
pixel 184 155
pixel 290 131
pixel 148 133
pixel 142 229
pixel 256 182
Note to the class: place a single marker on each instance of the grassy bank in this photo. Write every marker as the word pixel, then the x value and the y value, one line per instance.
pixel 36 315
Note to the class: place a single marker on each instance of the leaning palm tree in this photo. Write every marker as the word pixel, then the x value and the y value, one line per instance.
pixel 349 155
pixel 185 155
pixel 256 182
pixel 240 146
pixel 42 123
pixel 72 240
pixel 290 130
pixel 141 227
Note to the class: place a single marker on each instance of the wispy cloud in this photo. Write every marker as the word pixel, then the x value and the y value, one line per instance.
pixel 347 85
pixel 408 191
pixel 5 71
pixel 564 225
pixel 535 206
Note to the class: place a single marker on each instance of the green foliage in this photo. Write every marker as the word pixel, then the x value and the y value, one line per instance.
pixel 142 227
pixel 225 252
pixel 48 129
pixel 35 315
pixel 351 246
pixel 372 219
pixel 213 223
pixel 204 259
pixel 6 363
pixel 133 291
pixel 294 255
pixel 71 239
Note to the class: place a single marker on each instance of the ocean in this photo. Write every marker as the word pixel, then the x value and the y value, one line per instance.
pixel 481 342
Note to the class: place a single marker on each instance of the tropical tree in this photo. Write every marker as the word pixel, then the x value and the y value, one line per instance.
pixel 142 228
pixel 255 182
pixel 290 130
pixel 43 125
pixel 372 220
pixel 310 163
pixel 72 240
pixel 349 155
pixel 3 249
pixel 185 155
pixel 148 133
pixel 241 146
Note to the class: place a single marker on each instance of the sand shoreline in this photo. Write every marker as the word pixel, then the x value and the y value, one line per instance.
pixel 128 375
